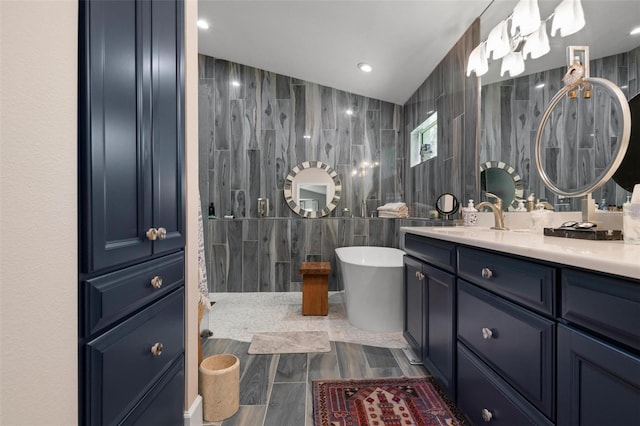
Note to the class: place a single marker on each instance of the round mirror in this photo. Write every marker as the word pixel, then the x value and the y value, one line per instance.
pixel 447 205
pixel 628 173
pixel 502 180
pixel 582 137
pixel 312 189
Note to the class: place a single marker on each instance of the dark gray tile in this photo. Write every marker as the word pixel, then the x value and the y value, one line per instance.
pixel 234 232
pixel 351 361
pixel 286 405
pixel 268 100
pixel 238 156
pixel 221 107
pixel 282 276
pixel 247 415
pixel 255 380
pixel 378 357
pixel 291 368
pixel 323 366
pixel 283 87
pixel 250 266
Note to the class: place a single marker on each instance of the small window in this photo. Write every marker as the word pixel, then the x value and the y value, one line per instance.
pixel 424 140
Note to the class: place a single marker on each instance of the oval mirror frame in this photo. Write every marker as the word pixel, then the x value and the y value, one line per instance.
pixel 289 195
pixel 622 145
pixel 517 182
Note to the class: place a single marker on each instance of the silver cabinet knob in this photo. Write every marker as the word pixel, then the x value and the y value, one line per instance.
pixel 162 233
pixel 487 333
pixel 156 282
pixel 156 234
pixel 420 275
pixel 156 349
pixel 487 273
pixel 486 415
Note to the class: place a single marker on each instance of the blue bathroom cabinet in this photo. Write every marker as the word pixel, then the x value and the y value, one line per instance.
pixel 537 343
pixel 430 297
pixel 131 212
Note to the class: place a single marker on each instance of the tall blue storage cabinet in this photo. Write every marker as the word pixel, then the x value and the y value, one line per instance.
pixel 131 212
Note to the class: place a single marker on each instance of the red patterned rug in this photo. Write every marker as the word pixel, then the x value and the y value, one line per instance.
pixel 382 402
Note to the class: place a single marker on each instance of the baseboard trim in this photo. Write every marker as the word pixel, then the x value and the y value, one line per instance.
pixel 194 416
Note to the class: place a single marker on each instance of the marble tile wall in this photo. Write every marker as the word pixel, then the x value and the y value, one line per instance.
pixel 511 111
pixel 455 97
pixel 251 135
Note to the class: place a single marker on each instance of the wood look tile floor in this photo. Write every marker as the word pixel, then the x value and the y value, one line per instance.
pixel 275 390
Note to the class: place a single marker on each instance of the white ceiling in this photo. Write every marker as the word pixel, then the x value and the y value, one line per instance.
pixel 322 41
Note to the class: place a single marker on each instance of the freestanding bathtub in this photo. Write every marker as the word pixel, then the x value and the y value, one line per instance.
pixel 373 289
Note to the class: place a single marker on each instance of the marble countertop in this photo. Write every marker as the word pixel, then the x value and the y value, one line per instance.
pixel 614 257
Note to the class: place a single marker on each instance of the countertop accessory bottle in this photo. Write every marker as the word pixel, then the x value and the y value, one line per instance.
pixel 212 211
pixel 631 218
pixel 521 207
pixel 470 215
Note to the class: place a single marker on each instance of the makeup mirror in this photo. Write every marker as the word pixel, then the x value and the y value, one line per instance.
pixel 312 189
pixel 447 205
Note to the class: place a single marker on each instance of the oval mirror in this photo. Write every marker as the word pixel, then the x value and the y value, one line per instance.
pixel 447 205
pixel 312 189
pixel 502 180
pixel 582 137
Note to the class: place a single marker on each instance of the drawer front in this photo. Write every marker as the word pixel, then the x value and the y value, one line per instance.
pixel 436 252
pixel 164 404
pixel 111 297
pixel 607 305
pixel 518 344
pixel 524 282
pixel 121 365
pixel 598 384
pixel 482 393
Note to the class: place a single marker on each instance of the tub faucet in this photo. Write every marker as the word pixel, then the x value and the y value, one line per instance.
pixel 496 208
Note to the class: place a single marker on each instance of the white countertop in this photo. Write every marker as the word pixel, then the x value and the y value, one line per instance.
pixel 614 257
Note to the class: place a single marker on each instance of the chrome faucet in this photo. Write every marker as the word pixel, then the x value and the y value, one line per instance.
pixel 496 208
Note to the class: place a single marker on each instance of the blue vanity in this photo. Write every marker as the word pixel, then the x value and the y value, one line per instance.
pixel 520 328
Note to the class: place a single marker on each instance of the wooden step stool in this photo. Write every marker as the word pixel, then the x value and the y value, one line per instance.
pixel 315 287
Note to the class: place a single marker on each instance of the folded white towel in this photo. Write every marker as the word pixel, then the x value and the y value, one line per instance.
pixel 393 207
pixel 392 214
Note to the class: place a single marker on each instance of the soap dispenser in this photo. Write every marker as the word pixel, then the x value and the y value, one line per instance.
pixel 470 215
pixel 521 207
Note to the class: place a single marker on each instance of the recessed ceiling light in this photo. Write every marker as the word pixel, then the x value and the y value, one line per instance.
pixel 349 112
pixel 635 31
pixel 539 86
pixel 203 24
pixel 235 83
pixel 365 67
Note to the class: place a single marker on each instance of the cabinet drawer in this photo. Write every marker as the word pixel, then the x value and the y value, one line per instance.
pixel 518 344
pixel 121 366
pixel 524 282
pixel 164 404
pixel 439 253
pixel 607 305
pixel 111 297
pixel 482 392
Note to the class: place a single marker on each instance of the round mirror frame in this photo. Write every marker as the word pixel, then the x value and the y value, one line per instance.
pixel 517 180
pixel 622 146
pixel 444 213
pixel 288 189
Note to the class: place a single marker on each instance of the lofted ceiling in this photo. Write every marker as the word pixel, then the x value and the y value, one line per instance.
pixel 322 41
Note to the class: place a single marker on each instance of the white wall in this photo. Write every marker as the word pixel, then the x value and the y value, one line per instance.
pixel 38 237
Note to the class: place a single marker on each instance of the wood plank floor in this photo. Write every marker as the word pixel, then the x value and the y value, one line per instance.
pixel 275 390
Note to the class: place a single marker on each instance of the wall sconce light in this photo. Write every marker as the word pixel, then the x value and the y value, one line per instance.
pixel 528 36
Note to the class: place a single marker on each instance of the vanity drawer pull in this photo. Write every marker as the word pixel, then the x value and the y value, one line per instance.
pixel 486 415
pixel 156 349
pixel 487 273
pixel 487 333
pixel 156 282
pixel 420 275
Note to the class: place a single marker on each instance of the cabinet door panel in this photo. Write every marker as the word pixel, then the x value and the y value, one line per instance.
pixel 439 346
pixel 167 128
pixel 597 383
pixel 115 188
pixel 413 313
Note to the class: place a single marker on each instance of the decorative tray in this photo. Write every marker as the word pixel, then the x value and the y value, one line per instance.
pixel 585 234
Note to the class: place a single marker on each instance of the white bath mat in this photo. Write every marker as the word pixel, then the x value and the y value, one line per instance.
pixel 289 342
